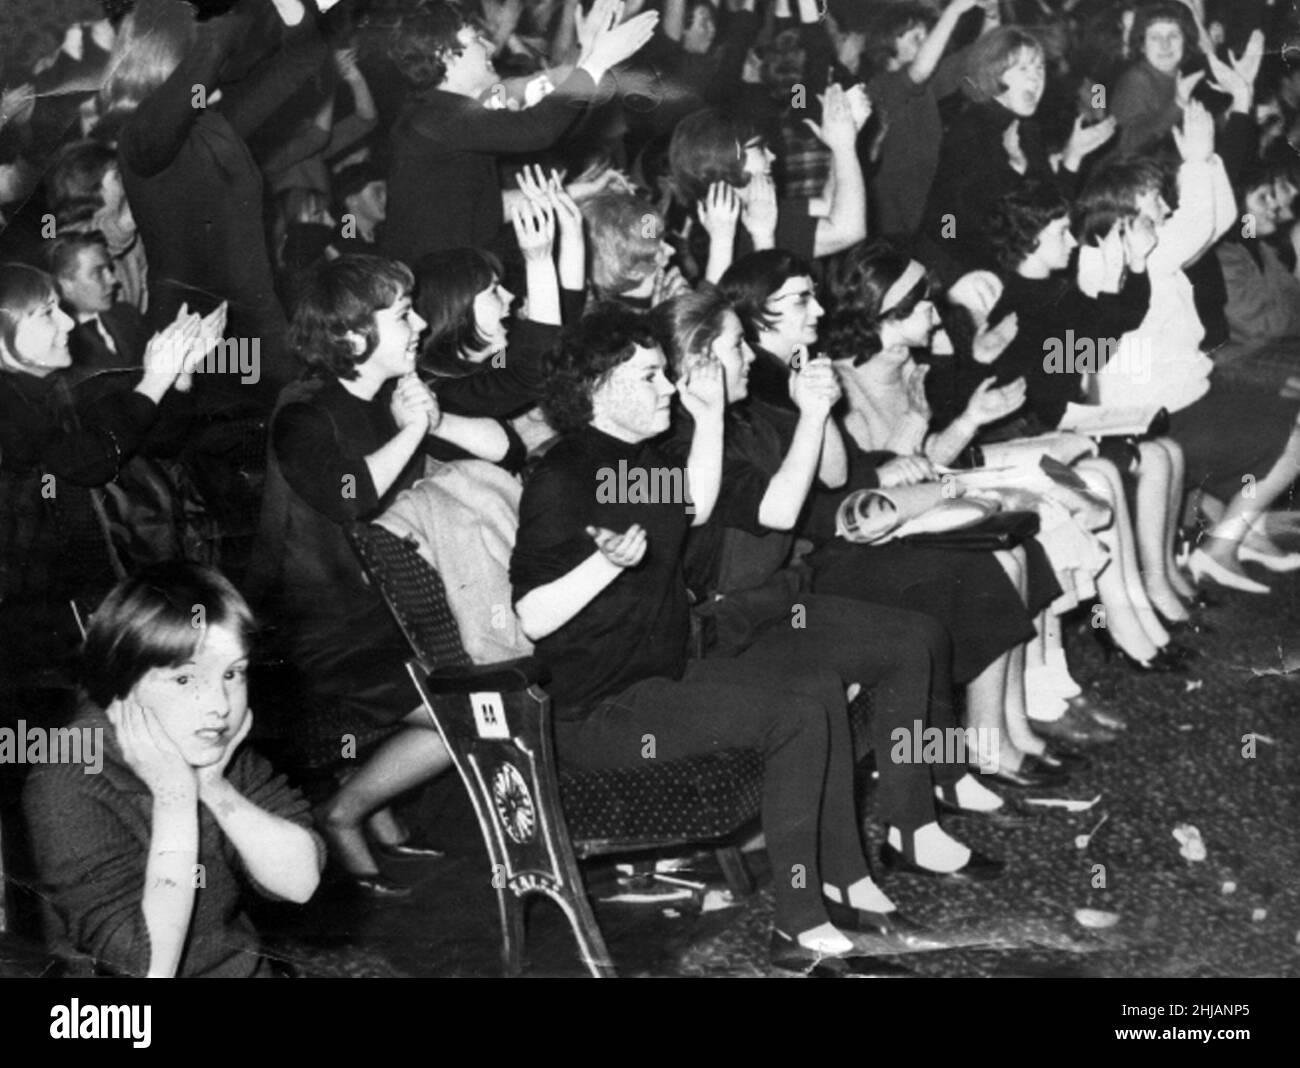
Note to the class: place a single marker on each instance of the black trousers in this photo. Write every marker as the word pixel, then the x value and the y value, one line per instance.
pixel 795 715
pixel 903 658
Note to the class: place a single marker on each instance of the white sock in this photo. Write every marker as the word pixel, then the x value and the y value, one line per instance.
pixel 935 848
pixel 1060 669
pixel 973 796
pixel 1043 702
pixel 825 938
pixel 866 895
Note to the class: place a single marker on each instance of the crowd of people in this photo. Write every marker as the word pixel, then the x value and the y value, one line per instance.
pixel 1017 277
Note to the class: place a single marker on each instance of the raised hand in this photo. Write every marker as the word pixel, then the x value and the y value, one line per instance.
pixel 703 390
pixel 837 129
pixel 1085 139
pixel 719 212
pixel 1236 78
pixel 758 208
pixel 605 41
pixel 150 753
pixel 860 106
pixel 623 550
pixel 534 224
pixel 991 402
pixel 991 341
pixel 568 216
pixel 1196 139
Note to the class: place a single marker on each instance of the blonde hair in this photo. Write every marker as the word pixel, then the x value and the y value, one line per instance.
pixel 150 45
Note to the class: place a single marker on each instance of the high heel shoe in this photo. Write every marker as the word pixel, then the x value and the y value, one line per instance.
pixel 1160 664
pixel 979 869
pixel 1202 565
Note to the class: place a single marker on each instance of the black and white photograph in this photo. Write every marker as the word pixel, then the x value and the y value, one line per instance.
pixel 651 489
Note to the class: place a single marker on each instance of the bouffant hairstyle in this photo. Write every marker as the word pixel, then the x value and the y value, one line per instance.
pixel 752 279
pixel 1112 192
pixel 422 41
pixel 1019 218
pixel 623 236
pixel 709 146
pixel 855 286
pixel 605 337
pixel 156 619
pixel 689 324
pixel 446 283
pixel 1165 11
pixel 340 297
pixel 992 56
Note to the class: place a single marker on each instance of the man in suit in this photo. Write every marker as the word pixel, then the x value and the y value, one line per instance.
pixel 110 334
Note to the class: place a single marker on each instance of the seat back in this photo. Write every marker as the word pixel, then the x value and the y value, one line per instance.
pixel 414 593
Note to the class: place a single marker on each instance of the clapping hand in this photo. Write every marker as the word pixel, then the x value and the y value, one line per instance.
pixel 758 208
pixel 991 402
pixel 1196 139
pixel 991 341
pixel 838 128
pixel 815 387
pixel 414 404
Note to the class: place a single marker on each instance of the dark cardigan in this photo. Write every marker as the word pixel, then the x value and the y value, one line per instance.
pixel 196 194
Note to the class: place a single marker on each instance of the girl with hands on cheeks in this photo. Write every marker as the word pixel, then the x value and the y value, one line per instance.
pixel 147 862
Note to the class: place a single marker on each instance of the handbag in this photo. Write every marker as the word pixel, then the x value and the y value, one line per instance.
pixel 998 532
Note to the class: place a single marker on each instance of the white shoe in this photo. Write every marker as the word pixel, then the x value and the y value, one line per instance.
pixel 1201 564
pixel 1280 562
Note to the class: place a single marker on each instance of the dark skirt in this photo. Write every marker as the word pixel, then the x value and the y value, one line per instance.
pixel 968 592
pixel 1239 428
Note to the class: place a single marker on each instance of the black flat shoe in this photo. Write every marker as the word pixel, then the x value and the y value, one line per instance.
pixel 376 887
pixel 1009 815
pixel 979 869
pixel 1076 727
pixel 1035 765
pixel 892 927
pixel 1065 761
pixel 1184 626
pixel 1026 779
pixel 789 956
pixel 1180 652
pixel 408 850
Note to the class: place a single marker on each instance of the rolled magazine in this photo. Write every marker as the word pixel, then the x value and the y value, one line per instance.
pixel 875 516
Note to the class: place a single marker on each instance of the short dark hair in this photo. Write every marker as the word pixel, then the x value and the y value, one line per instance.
pixel 688 324
pixel 353 178
pixel 72 184
pixel 1017 220
pixel 62 252
pixel 340 297
pixel 422 40
pixel 855 286
pixel 709 146
pixel 1111 193
pixel 752 279
pixel 605 337
pixel 446 283
pixel 886 23
pixel 1164 11
pixel 156 618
